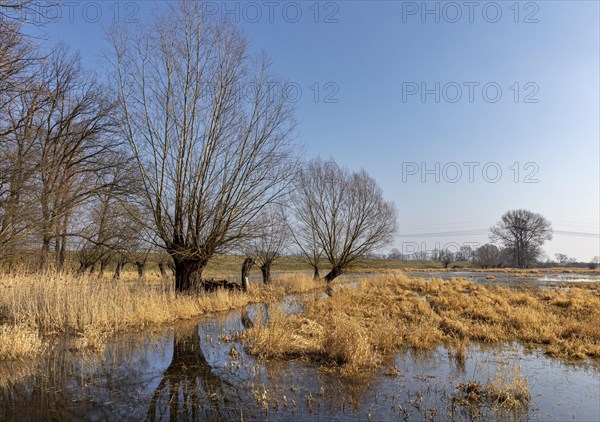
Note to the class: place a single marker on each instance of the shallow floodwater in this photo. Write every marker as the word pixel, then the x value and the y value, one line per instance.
pixel 196 370
pixel 507 279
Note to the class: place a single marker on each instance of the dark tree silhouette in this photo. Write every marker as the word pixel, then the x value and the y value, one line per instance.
pixel 189 388
pixel 523 233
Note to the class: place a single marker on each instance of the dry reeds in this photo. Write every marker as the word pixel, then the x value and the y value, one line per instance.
pixel 93 309
pixel 19 342
pixel 355 327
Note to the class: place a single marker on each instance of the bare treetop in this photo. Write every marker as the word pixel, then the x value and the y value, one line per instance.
pixel 345 211
pixel 211 137
pixel 523 232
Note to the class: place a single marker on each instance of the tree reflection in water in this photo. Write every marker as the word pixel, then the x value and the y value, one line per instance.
pixel 189 389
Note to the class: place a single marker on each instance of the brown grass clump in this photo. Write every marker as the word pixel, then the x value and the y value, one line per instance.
pixel 344 342
pixel 507 389
pixel 355 327
pixel 347 343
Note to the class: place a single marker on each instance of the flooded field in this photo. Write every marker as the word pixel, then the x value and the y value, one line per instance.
pixel 198 370
pixel 507 279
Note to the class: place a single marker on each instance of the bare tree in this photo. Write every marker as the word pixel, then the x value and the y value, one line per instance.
pixel 109 219
pixel 17 58
pixel 303 230
pixel 270 241
pixel 18 67
pixel 523 233
pixel 465 253
pixel 72 143
pixel 115 231
pixel 487 256
pixel 443 255
pixel 211 136
pixel 395 254
pixel 345 210
pixel 561 258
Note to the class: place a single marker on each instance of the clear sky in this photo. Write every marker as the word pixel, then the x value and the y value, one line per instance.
pixel 411 91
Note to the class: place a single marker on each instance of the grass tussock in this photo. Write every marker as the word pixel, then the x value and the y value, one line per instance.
pixel 93 309
pixel 507 389
pixel 355 328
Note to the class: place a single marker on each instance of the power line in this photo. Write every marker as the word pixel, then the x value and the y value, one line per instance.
pixel 576 234
pixel 448 234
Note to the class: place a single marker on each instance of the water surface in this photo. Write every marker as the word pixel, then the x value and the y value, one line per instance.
pixel 196 370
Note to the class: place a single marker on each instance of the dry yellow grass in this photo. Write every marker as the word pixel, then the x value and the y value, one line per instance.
pixel 19 342
pixel 93 309
pixel 355 328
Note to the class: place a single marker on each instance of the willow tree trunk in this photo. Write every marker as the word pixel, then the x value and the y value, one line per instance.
pixel 246 266
pixel 265 269
pixel 118 270
pixel 103 265
pixel 333 274
pixel 45 252
pixel 140 268
pixel 188 274
pixel 316 275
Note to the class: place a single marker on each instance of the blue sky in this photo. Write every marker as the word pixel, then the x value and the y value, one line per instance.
pixel 369 57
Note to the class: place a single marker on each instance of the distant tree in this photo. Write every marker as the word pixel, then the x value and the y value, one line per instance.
pixel 523 233
pixel 594 263
pixel 270 240
pixel 346 212
pixel 447 256
pixel 394 254
pixel 443 255
pixel 303 228
pixel 465 253
pixel 531 255
pixel 487 256
pixel 420 256
pixel 561 258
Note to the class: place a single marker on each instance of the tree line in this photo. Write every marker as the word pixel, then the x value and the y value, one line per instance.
pixel 163 153
pixel 516 241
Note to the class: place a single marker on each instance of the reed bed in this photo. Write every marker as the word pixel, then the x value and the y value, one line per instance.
pixel 356 328
pixel 33 306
